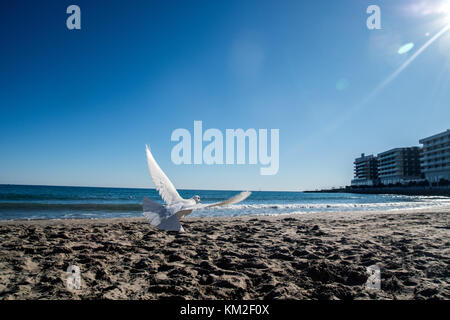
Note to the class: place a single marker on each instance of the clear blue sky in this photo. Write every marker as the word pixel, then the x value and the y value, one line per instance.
pixel 77 107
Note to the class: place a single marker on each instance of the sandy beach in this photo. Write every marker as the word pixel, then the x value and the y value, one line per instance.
pixel 311 256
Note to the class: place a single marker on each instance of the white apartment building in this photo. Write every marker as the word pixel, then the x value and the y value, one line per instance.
pixel 435 157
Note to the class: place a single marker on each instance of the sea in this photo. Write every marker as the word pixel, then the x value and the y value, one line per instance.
pixel 58 202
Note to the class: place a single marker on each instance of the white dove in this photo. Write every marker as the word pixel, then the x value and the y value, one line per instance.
pixel 167 217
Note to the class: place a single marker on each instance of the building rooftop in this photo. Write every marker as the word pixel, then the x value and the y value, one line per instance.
pixel 364 157
pixel 438 135
pixel 397 149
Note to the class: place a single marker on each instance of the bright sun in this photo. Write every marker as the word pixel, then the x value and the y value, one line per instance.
pixel 445 9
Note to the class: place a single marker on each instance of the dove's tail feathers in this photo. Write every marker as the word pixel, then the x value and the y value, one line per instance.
pixel 154 212
pixel 158 216
pixel 149 205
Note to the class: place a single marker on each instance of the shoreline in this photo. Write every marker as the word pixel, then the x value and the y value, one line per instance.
pixel 303 256
pixel 270 217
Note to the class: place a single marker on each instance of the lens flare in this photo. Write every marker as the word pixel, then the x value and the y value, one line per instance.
pixel 342 84
pixel 406 48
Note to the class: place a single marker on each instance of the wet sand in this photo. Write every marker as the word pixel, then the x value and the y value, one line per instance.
pixel 311 256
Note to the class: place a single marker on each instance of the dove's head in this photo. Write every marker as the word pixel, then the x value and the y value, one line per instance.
pixel 197 199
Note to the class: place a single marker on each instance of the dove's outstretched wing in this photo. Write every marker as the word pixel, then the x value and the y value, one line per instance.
pixel 165 188
pixel 158 216
pixel 235 199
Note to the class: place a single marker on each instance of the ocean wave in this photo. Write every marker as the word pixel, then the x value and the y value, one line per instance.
pixel 277 206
